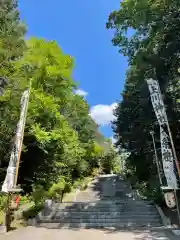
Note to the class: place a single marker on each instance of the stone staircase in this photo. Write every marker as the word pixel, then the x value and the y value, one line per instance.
pixel 107 203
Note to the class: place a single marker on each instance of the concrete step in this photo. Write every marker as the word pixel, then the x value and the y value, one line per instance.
pixel 122 218
pixel 104 204
pixel 105 214
pixel 99 205
pixel 111 200
pixel 105 223
pixel 108 221
pixel 107 209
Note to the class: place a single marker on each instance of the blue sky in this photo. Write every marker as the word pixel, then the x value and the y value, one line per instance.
pixel 79 28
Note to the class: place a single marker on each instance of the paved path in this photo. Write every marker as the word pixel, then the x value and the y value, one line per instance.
pixel 107 186
pixel 47 234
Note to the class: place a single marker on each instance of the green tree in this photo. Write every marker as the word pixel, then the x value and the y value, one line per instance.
pixel 152 49
pixel 108 161
pixel 12 32
pixel 49 139
pixel 60 136
pixel 77 114
pixel 12 46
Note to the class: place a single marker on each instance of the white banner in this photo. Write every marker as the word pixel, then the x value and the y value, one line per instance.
pixel 160 111
pixel 157 101
pixel 9 181
pixel 167 160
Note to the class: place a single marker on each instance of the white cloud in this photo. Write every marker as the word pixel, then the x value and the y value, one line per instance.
pixel 103 114
pixel 81 92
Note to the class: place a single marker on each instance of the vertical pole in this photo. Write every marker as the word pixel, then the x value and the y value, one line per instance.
pixel 156 157
pixel 172 143
pixel 173 148
pixel 175 193
pixel 177 205
pixel 7 213
pixel 24 122
pixel 176 162
pixel 178 170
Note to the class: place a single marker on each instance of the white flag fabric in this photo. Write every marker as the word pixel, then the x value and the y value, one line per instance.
pixel 9 181
pixel 157 101
pixel 167 160
pixel 166 151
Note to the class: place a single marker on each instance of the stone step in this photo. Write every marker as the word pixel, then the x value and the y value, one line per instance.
pixel 99 225
pixel 106 214
pixel 100 204
pixel 104 205
pixel 122 218
pixel 106 222
pixel 108 209
pixel 107 204
pixel 112 200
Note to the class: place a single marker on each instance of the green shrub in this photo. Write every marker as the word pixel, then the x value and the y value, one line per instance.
pixel 117 169
pixel 3 199
pixel 95 172
pixel 57 189
pixel 77 183
pixel 38 194
pixel 82 183
pixel 33 211
pixel 24 199
pixel 85 183
pixel 68 187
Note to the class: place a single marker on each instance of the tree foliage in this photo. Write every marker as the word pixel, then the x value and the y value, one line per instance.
pixel 12 32
pixel 61 141
pixel 147 33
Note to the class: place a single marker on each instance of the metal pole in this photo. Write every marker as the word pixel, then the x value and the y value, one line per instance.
pixel 177 166
pixel 156 157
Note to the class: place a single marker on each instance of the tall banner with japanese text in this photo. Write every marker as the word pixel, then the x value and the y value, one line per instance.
pixel 166 150
pixel 10 180
pixel 157 102
pixel 167 160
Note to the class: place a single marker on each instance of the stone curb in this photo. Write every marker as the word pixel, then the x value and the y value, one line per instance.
pixel 33 221
pixel 2 229
pixel 166 222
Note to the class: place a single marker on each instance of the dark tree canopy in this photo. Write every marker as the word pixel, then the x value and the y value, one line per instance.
pixel 148 33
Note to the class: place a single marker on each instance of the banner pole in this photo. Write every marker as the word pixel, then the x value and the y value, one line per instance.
pixel 161 123
pixel 178 170
pixel 24 121
pixel 156 157
pixel 7 213
pixel 172 144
